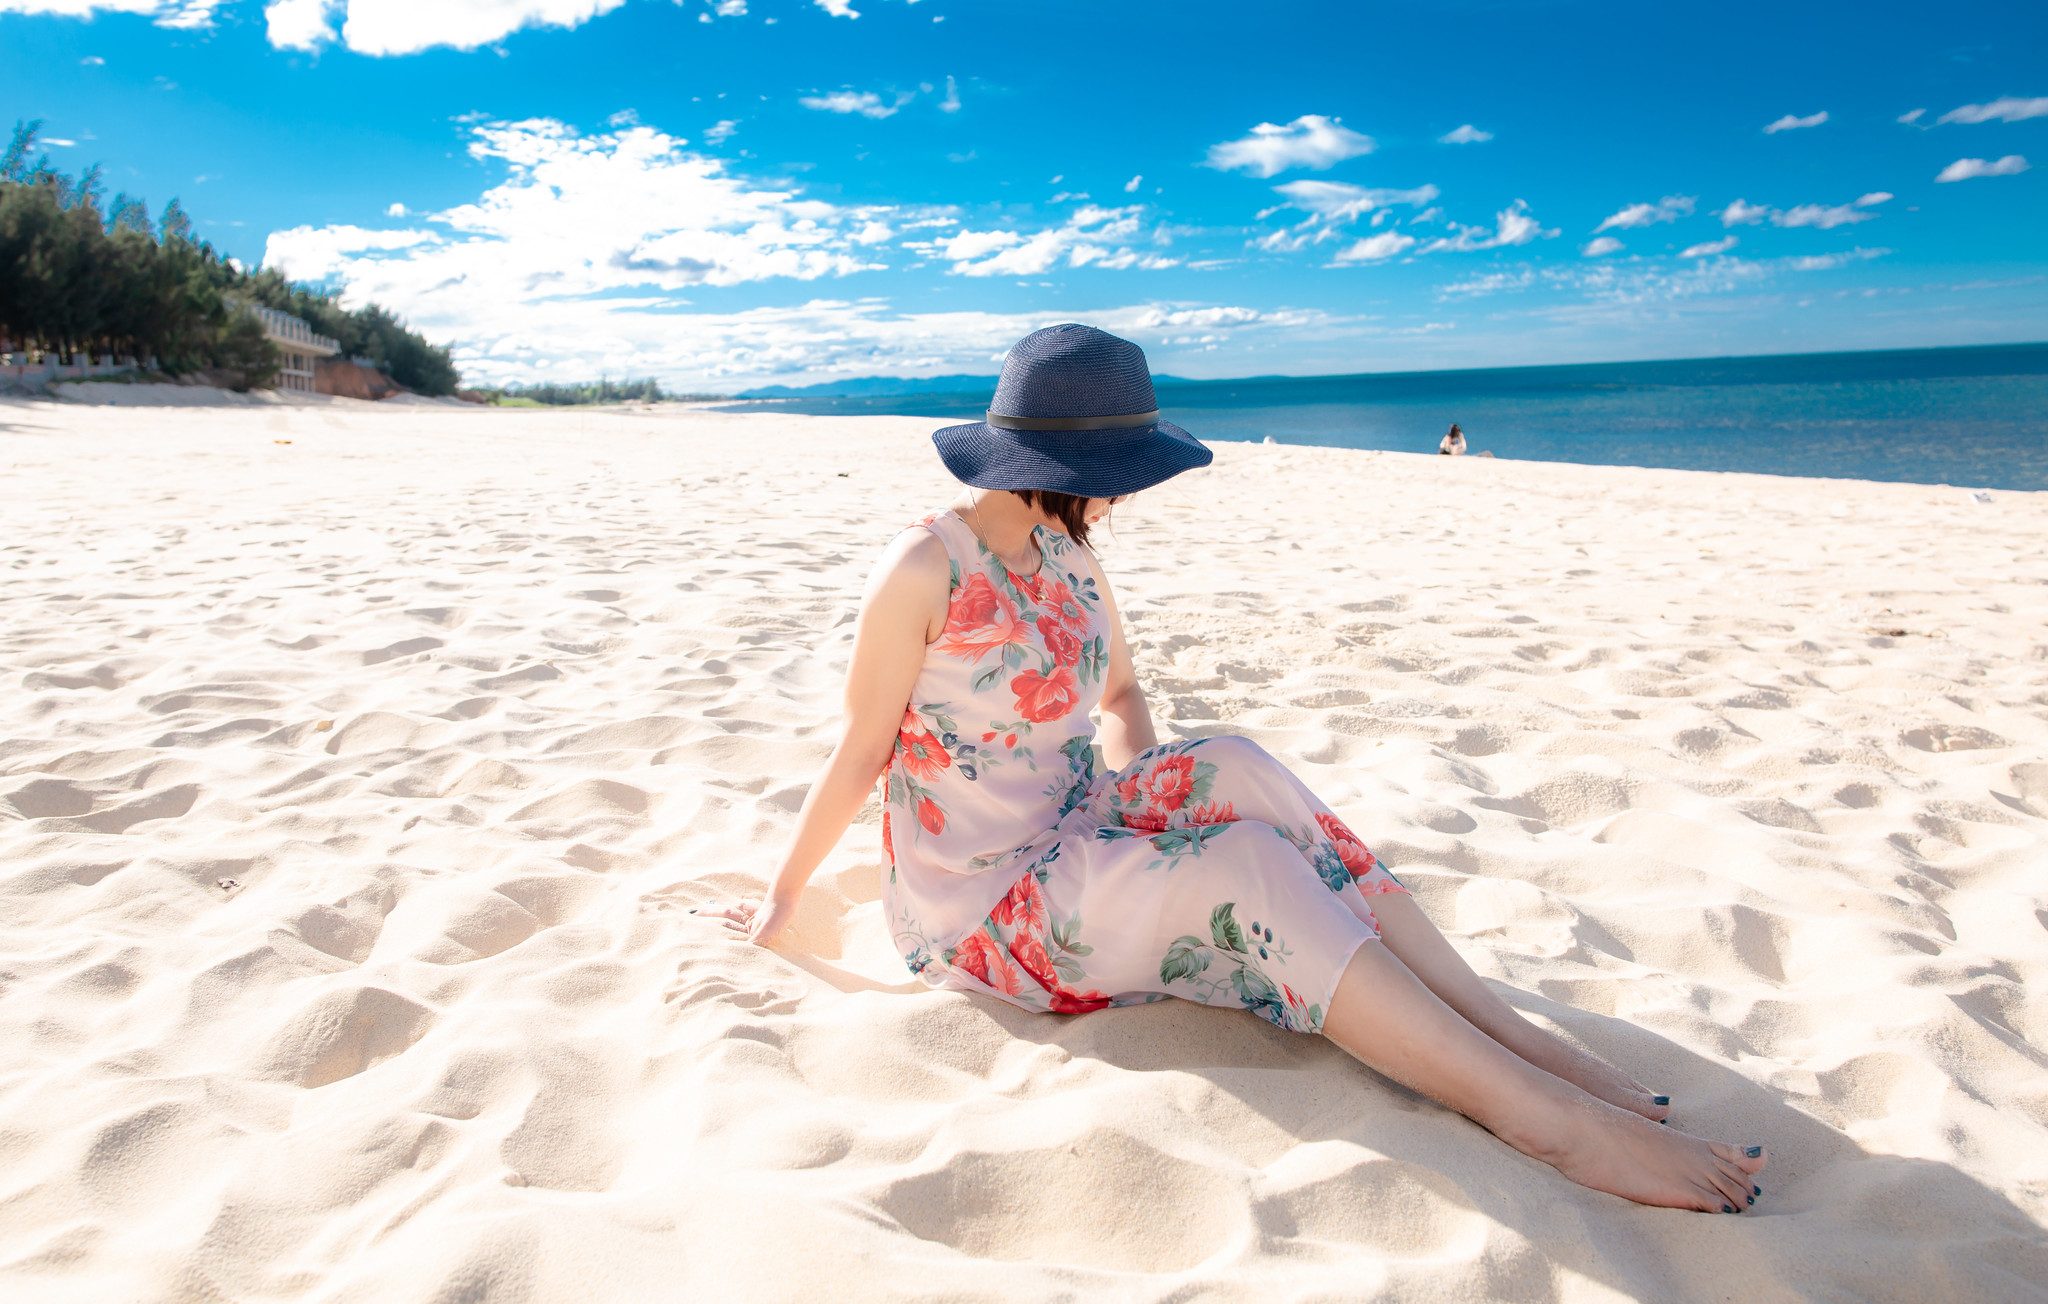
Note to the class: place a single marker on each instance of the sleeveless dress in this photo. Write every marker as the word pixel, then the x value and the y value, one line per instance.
pixel 1203 869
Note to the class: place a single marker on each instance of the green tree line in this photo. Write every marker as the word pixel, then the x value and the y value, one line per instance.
pixel 598 391
pixel 81 274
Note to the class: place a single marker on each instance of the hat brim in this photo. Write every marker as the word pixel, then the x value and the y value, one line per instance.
pixel 1086 464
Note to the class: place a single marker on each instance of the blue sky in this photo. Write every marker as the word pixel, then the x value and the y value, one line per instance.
pixel 725 192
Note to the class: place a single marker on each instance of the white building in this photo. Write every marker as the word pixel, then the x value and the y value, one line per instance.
pixel 299 345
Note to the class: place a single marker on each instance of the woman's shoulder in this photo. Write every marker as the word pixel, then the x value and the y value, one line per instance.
pixel 919 554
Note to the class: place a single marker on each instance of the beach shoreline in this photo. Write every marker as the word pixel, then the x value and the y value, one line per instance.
pixel 362 761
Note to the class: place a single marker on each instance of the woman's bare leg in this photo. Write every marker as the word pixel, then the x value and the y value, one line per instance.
pixel 1386 1018
pixel 1418 945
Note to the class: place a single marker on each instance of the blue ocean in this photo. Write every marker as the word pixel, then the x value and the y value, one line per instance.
pixel 1975 417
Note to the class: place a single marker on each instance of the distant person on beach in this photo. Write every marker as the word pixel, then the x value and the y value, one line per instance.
pixel 1453 444
pixel 1200 869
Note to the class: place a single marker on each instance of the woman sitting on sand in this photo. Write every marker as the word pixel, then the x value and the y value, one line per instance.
pixel 1453 444
pixel 1200 869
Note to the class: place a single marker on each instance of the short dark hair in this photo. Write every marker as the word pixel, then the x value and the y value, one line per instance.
pixel 1070 510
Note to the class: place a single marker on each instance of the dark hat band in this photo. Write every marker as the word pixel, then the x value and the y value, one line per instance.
pixel 1132 421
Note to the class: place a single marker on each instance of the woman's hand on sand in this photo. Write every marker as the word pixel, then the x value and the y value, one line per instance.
pixel 759 922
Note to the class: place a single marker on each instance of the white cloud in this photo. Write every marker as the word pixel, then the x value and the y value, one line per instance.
pixel 1337 201
pixel 300 24
pixel 571 266
pixel 1512 226
pixel 1310 141
pixel 1826 217
pixel 1601 247
pixel 1963 169
pixel 1911 116
pixel 1828 262
pixel 721 131
pixel 580 217
pixel 387 27
pixel 1668 209
pixel 1465 135
pixel 1092 236
pixel 1709 248
pixel 396 210
pixel 730 8
pixel 866 103
pixel 1742 214
pixel 838 8
pixel 166 13
pixel 951 104
pixel 1639 282
pixel 2005 108
pixel 1329 205
pixel 1376 248
pixel 92 61
pixel 1131 186
pixel 1790 123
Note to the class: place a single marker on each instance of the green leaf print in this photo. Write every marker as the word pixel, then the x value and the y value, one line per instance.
pixel 988 677
pixel 1259 995
pixel 1223 927
pixel 1187 957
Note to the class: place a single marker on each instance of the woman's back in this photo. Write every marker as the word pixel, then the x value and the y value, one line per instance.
pixel 994 750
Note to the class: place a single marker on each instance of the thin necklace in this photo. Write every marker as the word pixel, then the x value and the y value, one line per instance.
pixel 974 505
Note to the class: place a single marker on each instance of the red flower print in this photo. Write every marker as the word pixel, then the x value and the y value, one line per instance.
pixel 1149 820
pixel 979 955
pixel 1029 953
pixel 929 815
pixel 922 754
pixel 1060 641
pixel 1046 697
pixel 1169 781
pixel 979 621
pixel 1066 1002
pixel 1026 906
pixel 1213 812
pixel 1350 850
pixel 888 847
pixel 1059 601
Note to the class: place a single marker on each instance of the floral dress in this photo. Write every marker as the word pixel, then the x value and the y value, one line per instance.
pixel 1203 869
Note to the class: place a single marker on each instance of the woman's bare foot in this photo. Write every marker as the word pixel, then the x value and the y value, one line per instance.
pixel 1612 1150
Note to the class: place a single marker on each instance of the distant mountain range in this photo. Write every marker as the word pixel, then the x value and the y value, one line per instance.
pixel 893 387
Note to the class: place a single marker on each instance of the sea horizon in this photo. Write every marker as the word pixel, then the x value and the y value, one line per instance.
pixel 1973 416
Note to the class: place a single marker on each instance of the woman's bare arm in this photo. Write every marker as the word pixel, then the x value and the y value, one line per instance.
pixel 1126 719
pixel 903 609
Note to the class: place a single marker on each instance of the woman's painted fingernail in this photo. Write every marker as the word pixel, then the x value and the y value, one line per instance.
pixel 1749 1199
pixel 1756 1190
pixel 1755 1152
pixel 1727 1208
pixel 1660 1100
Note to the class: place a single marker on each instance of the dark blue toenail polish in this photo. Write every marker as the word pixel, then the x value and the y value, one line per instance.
pixel 1756 1190
pixel 1755 1152
pixel 1749 1200
pixel 1727 1208
pixel 1660 1100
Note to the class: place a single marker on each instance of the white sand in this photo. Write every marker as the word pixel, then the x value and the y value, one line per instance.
pixel 1631 735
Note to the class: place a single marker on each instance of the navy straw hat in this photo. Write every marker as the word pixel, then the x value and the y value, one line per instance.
pixel 1073 413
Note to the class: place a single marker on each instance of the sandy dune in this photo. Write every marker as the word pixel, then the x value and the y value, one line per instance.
pixel 352 789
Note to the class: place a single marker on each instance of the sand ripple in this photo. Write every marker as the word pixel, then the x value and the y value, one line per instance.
pixel 353 792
